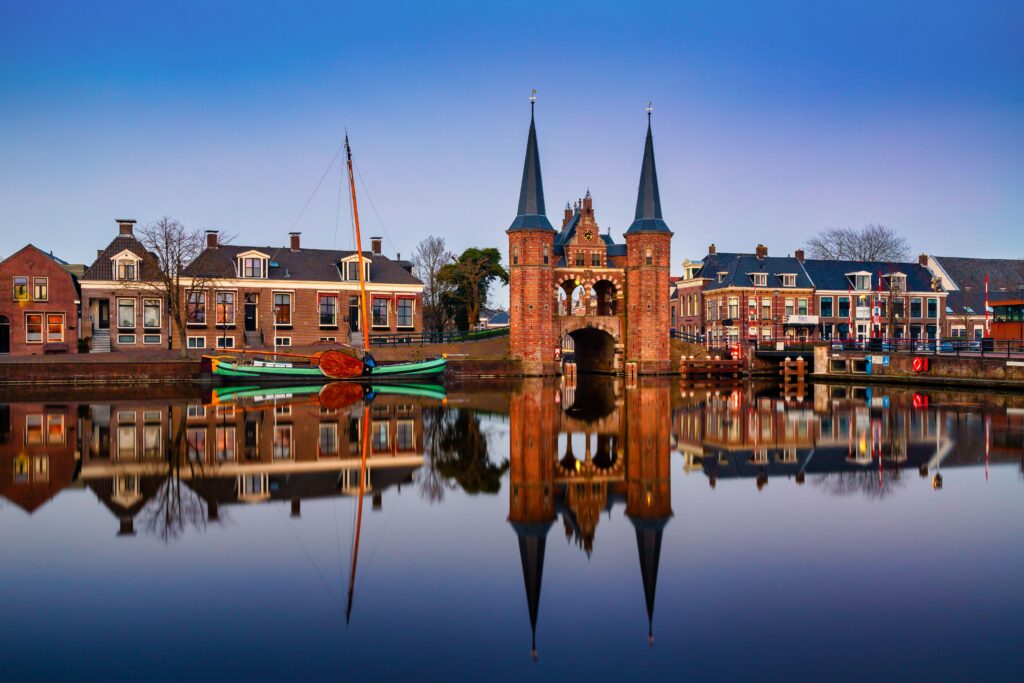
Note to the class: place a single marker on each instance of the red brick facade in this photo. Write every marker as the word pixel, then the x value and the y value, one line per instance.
pixel 38 305
pixel 533 334
pixel 647 312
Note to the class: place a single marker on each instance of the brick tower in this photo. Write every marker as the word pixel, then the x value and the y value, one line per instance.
pixel 648 242
pixel 532 335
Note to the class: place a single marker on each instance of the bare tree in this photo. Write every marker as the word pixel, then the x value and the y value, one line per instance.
pixel 873 242
pixel 430 256
pixel 173 248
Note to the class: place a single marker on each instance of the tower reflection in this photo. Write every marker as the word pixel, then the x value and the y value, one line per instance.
pixel 577 450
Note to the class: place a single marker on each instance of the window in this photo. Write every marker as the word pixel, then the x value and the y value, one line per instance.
pixel 789 280
pixel 405 308
pixel 760 279
pixel 126 339
pixel 54 327
pixel 328 309
pixel 283 308
pixel 40 289
pixel 126 269
pixel 380 436
pixel 225 309
pixel 825 306
pixel 195 411
pixel 34 328
pixel 801 306
pixel 151 314
pixel 862 282
pixel 225 342
pixel 54 429
pixel 197 307
pixel 648 256
pixel 225 445
pixel 282 442
pixel 595 259
pixel 898 306
pixel 20 288
pixel 915 307
pixel 515 255
pixel 283 341
pixel 126 314
pixel 405 436
pixel 126 442
pixel 252 267
pixel 196 342
pixel 579 258
pixel 958 332
pixel 33 430
pixel 328 441
pixel 789 307
pixel 380 312
pixel 151 443
pixel 766 309
pixel 844 307
pixel 352 271
pixel 195 442
pixel 151 339
pixel 547 254
pixel 721 275
pixel 734 307
pixel 933 308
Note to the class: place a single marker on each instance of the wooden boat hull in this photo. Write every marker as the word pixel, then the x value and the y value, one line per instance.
pixel 230 369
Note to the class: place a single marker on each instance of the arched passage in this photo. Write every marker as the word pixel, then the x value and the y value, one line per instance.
pixel 594 350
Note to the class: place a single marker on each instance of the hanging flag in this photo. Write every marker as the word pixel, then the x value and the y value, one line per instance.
pixel 986 307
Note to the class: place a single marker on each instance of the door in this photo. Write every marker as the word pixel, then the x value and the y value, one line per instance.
pixel 353 314
pixel 5 335
pixel 251 305
pixel 104 314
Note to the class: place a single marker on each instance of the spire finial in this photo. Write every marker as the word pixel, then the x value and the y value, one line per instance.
pixel 650 110
pixel 533 99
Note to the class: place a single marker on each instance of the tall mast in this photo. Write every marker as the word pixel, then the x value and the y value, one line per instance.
pixel 363 310
pixel 359 507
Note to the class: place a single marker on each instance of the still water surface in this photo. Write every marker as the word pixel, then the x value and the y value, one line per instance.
pixel 513 531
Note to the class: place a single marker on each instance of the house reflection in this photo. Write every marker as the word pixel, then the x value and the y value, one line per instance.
pixel 578 462
pixel 39 454
pixel 850 439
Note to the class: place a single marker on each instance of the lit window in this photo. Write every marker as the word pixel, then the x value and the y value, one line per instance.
pixel 283 308
pixel 34 328
pixel 55 327
pixel 225 312
pixel 40 289
pixel 649 256
pixel 225 444
pixel 196 307
pixel 54 429
pixel 33 430
pixel 21 288
pixel 195 442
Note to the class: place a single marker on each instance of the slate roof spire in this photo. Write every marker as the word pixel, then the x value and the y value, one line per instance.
pixel 531 214
pixel 648 199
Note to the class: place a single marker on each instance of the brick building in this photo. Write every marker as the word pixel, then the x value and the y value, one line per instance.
pixel 38 452
pixel 609 299
pixel 964 280
pixel 250 296
pixel 123 307
pixel 39 303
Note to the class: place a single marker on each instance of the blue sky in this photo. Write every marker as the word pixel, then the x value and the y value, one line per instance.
pixel 772 120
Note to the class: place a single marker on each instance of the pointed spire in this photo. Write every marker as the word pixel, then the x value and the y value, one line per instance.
pixel 531 213
pixel 648 198
pixel 648 545
pixel 532 539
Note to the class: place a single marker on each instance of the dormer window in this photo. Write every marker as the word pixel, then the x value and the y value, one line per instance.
pixel 897 282
pixel 126 266
pixel 722 274
pixel 350 269
pixel 760 279
pixel 788 280
pixel 252 267
pixel 253 264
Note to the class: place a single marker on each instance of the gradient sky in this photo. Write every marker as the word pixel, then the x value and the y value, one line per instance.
pixel 772 120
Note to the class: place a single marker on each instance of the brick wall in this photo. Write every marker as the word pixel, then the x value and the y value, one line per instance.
pixel 533 336
pixel 647 311
pixel 61 295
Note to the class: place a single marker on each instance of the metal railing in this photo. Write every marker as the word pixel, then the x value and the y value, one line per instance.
pixel 448 337
pixel 947 346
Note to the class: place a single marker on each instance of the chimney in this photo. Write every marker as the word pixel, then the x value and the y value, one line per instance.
pixel 761 251
pixel 211 239
pixel 568 215
pixel 99 252
pixel 799 253
pixel 375 243
pixel 923 259
pixel 125 226
pixel 294 240
pixel 712 250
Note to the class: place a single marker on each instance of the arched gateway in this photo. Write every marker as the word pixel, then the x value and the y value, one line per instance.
pixel 610 298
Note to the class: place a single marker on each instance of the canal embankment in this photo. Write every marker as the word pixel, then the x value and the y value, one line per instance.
pixel 965 371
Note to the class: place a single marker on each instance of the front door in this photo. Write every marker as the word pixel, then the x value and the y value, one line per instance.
pixel 104 314
pixel 251 304
pixel 5 335
pixel 353 314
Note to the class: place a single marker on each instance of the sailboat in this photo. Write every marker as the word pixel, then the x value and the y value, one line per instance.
pixel 332 364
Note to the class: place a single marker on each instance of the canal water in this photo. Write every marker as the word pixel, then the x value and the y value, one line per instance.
pixel 513 531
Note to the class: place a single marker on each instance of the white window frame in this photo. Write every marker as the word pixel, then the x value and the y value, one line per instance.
pixel 283 341
pixel 195 342
pixel 337 305
pixel 412 314
pixel 291 306
pixel 159 313
pixel 42 325
pixel 216 307
pixel 63 328
pixel 788 280
pixel 759 279
pixel 224 342
pixel 46 288
pixel 135 312
pixel 387 312
pixel 126 339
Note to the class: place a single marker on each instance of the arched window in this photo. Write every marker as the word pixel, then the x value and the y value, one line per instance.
pixel 546 254
pixel 649 256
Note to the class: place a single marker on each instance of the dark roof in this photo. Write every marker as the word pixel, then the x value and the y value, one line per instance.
pixel 567 232
pixel 648 198
pixel 959 302
pixel 531 213
pixel 739 266
pixel 831 275
pixel 1005 275
pixel 317 265
pixel 499 318
pixel 103 269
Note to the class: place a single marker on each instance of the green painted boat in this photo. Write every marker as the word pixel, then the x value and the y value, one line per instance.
pixel 230 367
pixel 229 394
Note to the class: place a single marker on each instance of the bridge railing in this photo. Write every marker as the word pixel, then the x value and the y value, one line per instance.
pixel 946 346
pixel 449 337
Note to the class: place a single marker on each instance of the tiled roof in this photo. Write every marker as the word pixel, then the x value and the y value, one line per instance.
pixel 1005 275
pixel 831 275
pixel 648 199
pixel 531 214
pixel 103 268
pixel 315 265
pixel 738 268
